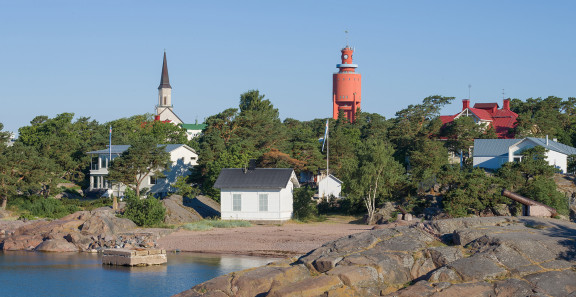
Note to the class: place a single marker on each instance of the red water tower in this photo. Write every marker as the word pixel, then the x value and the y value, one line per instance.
pixel 346 87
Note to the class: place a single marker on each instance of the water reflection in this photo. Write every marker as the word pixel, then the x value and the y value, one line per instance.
pixel 82 274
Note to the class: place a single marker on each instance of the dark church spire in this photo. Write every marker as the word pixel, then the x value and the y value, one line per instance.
pixel 164 80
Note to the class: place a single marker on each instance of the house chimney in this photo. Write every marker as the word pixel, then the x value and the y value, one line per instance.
pixel 546 140
pixel 465 103
pixel 506 104
pixel 252 165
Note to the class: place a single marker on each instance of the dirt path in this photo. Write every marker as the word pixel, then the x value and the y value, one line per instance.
pixel 287 240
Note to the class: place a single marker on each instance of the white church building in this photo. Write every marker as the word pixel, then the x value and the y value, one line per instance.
pixel 165 109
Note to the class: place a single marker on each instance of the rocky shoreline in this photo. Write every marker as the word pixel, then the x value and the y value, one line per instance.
pixel 82 231
pixel 496 256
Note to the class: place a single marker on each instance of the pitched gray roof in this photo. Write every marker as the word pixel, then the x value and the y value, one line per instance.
pixel 554 146
pixel 492 147
pixel 259 178
pixel 119 149
pixel 499 147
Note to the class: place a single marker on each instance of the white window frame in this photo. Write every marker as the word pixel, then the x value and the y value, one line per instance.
pixel 263 202
pixel 236 202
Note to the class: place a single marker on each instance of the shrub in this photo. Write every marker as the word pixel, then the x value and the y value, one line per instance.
pixel 38 206
pixel 544 190
pixel 144 212
pixel 304 207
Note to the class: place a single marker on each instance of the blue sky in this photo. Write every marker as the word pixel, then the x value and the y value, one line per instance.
pixel 103 59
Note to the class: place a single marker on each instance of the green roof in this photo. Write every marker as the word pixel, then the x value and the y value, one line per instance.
pixel 194 126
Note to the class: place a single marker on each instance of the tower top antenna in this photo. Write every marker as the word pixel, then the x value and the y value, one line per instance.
pixel 503 94
pixel 469 87
pixel 346 36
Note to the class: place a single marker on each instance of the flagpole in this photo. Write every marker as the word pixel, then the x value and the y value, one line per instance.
pixel 110 146
pixel 327 150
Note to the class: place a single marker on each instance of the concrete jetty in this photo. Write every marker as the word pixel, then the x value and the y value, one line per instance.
pixel 126 257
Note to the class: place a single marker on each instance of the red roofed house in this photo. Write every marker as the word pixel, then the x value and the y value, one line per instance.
pixel 488 114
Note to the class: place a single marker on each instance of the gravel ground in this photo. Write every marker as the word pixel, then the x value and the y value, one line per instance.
pixel 287 240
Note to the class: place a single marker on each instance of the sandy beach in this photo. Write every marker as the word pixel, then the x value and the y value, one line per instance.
pixel 289 239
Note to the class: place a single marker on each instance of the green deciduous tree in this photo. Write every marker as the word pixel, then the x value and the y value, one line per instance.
pixel 304 207
pixel 378 175
pixel 142 159
pixel 64 141
pixel 24 171
pixel 4 136
pixel 461 133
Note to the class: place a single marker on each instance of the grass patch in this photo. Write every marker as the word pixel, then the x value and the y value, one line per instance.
pixel 536 225
pixel 436 243
pixel 205 225
pixel 313 219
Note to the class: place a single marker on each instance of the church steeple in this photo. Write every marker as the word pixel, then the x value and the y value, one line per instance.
pixel 164 79
pixel 164 90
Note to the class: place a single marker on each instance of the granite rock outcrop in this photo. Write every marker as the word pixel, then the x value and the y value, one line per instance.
pixel 495 256
pixel 81 231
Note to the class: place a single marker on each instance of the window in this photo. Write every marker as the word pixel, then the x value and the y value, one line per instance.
pixel 153 180
pixel 164 100
pixel 236 202
pixel 263 202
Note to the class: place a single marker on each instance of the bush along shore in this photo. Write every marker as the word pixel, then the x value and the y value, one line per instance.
pixel 496 256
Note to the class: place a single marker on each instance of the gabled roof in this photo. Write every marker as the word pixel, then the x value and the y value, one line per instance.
pixel 334 178
pixel 481 114
pixel 553 145
pixel 169 110
pixel 259 178
pixel 499 147
pixel 492 147
pixel 502 120
pixel 119 149
pixel 447 119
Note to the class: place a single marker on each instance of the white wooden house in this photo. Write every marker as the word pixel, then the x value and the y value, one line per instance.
pixel 329 186
pixel 259 194
pixel 182 157
pixel 492 153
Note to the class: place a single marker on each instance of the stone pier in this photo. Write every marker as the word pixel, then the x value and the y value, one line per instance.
pixel 126 257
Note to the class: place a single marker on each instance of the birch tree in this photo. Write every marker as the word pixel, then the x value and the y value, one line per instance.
pixel 378 175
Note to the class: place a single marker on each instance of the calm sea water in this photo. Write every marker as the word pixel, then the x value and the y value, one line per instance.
pixel 82 274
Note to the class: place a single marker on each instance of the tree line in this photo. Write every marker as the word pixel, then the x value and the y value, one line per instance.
pixel 378 159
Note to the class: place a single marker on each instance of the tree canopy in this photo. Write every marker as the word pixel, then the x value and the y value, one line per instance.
pixel 141 160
